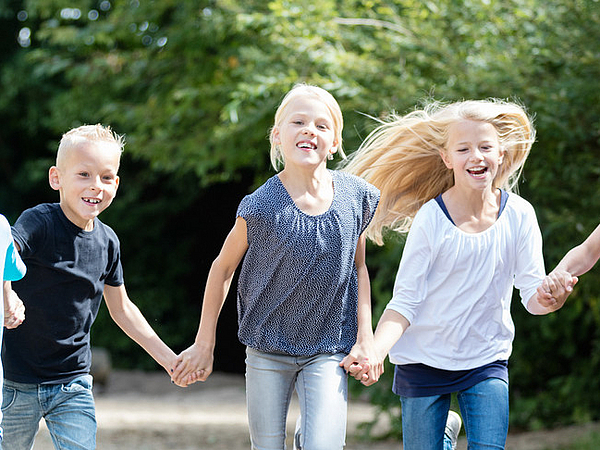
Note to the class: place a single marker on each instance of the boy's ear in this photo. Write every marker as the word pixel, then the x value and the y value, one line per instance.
pixel 54 178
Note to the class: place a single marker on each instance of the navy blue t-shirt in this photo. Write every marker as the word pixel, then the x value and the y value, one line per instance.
pixel 62 291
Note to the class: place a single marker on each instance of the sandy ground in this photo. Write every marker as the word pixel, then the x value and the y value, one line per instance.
pixel 144 411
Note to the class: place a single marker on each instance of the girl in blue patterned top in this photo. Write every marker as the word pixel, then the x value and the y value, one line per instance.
pixel 303 291
pixel 447 173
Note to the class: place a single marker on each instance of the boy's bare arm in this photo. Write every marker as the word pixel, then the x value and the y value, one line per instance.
pixel 129 318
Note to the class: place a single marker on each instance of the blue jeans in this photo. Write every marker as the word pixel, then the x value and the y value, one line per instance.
pixel 484 410
pixel 322 388
pixel 67 408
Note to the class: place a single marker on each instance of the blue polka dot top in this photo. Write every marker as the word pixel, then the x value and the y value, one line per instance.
pixel 297 290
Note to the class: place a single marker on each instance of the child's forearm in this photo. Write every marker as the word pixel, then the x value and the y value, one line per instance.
pixel 364 312
pixel 390 328
pixel 582 258
pixel 578 260
pixel 217 288
pixel 133 323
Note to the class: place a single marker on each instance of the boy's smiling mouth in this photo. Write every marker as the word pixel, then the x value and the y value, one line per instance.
pixel 93 201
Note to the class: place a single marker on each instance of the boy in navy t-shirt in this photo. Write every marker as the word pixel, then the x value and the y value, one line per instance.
pixel 73 259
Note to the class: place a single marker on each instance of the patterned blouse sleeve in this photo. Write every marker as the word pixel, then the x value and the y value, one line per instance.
pixel 370 202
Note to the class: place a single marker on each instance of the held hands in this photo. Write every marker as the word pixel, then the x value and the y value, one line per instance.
pixel 363 363
pixel 193 364
pixel 555 289
pixel 14 311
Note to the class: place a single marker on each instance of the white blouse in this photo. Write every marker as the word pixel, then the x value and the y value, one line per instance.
pixel 455 288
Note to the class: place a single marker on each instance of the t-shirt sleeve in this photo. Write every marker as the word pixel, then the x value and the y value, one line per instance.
pixel 114 275
pixel 29 232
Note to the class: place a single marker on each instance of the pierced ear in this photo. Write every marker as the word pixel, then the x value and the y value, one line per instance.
pixel 54 178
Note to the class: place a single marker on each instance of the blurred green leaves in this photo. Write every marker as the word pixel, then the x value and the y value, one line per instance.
pixel 194 86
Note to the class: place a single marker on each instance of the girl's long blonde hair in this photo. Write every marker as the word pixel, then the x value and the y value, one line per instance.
pixel 402 158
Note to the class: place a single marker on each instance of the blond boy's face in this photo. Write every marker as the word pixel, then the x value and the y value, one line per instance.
pixel 87 180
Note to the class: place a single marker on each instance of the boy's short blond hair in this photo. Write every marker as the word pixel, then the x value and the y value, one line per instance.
pixel 91 133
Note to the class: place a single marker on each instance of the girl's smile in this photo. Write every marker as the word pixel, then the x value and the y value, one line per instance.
pixel 306 133
pixel 473 152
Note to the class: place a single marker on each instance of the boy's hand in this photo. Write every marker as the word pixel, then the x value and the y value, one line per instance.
pixel 193 364
pixel 14 311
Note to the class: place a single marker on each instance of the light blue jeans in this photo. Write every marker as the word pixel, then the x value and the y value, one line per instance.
pixel 67 408
pixel 484 410
pixel 322 388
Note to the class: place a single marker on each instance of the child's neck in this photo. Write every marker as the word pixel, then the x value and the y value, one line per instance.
pixel 311 191
pixel 86 224
pixel 472 211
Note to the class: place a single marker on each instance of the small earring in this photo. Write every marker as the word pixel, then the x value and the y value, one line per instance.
pixel 330 156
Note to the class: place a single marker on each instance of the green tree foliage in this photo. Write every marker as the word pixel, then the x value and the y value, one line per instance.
pixel 194 86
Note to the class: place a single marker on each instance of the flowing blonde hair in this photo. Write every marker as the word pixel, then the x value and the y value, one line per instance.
pixel 328 100
pixel 402 158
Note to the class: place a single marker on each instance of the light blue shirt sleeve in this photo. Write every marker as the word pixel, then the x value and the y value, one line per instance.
pixel 14 268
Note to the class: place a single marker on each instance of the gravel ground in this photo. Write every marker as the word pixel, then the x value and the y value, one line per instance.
pixel 144 411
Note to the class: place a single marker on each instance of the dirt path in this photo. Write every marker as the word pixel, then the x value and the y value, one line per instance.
pixel 144 411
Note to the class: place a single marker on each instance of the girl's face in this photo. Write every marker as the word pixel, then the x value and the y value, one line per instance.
pixel 306 132
pixel 473 152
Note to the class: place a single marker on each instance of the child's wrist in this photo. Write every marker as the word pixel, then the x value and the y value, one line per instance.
pixel 204 345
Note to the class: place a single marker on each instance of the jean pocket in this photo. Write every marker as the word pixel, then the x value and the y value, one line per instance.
pixel 8 397
pixel 79 384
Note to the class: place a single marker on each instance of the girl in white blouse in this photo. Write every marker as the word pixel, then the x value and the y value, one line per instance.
pixel 448 173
